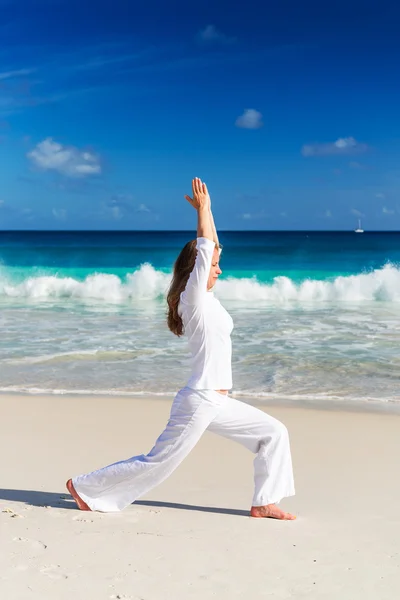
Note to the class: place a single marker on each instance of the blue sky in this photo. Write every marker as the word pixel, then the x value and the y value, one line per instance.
pixel 288 111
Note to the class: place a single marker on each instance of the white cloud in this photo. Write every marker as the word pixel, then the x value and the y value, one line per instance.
pixel 387 211
pixel 356 212
pixel 211 35
pixel 17 73
pixel 342 143
pixel 123 206
pixel 346 145
pixel 142 208
pixel 59 213
pixel 67 160
pixel 250 119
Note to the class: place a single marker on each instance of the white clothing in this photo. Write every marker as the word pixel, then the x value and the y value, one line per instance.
pixel 207 325
pixel 198 407
pixel 193 411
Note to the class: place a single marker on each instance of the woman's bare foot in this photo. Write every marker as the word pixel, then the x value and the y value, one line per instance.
pixel 81 504
pixel 271 511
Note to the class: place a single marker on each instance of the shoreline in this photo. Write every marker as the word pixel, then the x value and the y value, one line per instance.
pixel 356 406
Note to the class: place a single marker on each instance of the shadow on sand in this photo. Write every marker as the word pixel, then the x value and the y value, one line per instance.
pixel 64 501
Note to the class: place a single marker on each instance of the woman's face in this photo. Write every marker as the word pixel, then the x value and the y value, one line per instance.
pixel 215 271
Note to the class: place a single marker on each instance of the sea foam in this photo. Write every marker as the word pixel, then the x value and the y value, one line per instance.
pixel 147 283
pixel 378 285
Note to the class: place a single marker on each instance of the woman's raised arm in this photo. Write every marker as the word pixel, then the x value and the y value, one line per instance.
pixel 196 287
pixel 214 230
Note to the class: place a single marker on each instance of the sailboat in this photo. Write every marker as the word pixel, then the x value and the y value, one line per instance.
pixel 359 230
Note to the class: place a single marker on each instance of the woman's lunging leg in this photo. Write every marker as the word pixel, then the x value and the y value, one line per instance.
pixel 118 485
pixel 266 437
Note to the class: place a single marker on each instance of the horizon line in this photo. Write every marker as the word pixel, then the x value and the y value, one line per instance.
pixel 192 230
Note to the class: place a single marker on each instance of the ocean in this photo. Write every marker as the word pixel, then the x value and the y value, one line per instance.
pixel 317 314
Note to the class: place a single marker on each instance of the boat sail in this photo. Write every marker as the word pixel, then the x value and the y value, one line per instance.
pixel 359 229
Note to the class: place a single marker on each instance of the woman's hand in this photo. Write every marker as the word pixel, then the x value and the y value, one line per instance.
pixel 201 197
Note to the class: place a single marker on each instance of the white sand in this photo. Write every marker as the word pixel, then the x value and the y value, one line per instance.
pixel 191 537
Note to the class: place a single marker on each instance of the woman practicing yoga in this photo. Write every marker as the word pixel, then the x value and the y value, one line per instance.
pixel 203 403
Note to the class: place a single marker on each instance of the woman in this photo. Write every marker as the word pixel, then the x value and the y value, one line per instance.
pixel 203 403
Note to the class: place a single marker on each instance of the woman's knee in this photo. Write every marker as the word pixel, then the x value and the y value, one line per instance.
pixel 276 432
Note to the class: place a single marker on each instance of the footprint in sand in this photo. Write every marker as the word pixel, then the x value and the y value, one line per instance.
pixel 36 545
pixel 54 572
pixel 120 597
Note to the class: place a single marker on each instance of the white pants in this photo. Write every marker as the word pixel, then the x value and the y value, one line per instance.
pixel 193 411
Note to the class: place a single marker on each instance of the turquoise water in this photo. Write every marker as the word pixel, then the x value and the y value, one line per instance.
pixel 317 315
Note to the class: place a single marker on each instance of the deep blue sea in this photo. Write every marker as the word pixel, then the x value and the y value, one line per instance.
pixel 317 314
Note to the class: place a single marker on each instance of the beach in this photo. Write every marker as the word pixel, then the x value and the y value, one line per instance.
pixel 192 537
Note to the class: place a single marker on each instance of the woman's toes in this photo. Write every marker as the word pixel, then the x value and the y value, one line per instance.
pixel 271 511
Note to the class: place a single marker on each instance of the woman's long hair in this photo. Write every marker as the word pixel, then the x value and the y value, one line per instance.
pixel 182 268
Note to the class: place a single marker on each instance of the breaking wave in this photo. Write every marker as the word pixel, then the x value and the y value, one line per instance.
pixel 147 283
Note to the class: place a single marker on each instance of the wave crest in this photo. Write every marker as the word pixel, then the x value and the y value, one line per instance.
pixel 143 284
pixel 378 285
pixel 146 283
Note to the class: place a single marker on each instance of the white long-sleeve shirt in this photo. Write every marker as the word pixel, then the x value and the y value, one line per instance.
pixel 207 325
